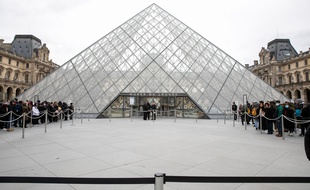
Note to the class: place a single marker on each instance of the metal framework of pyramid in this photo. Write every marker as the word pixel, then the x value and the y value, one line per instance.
pixel 153 52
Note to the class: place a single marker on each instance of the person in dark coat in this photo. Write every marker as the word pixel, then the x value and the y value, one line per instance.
pixel 269 112
pixel 145 109
pixel 289 113
pixel 148 110
pixel 234 109
pixel 307 144
pixel 305 115
pixel 3 116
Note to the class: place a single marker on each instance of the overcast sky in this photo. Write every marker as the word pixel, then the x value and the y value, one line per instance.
pixel 239 27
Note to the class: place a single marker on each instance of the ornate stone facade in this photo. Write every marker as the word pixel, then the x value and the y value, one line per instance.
pixel 285 69
pixel 19 71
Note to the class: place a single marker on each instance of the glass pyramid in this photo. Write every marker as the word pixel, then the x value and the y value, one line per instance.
pixel 153 54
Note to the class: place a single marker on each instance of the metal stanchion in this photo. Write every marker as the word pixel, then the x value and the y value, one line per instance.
pixel 234 120
pixel 282 126
pixel 238 116
pixel 159 181
pixel 72 118
pixel 110 110
pixel 197 117
pixel 46 112
pixel 81 115
pixel 131 113
pixel 260 123
pixel 245 120
pixel 217 115
pixel 175 115
pixel 31 124
pixel 24 121
pixel 11 116
pixel 60 119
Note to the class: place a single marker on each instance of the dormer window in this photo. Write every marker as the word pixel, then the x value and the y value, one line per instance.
pixel 286 53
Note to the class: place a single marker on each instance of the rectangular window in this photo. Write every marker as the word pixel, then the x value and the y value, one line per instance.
pixel 307 76
pixel 280 68
pixel 27 65
pixel 26 78
pixel 289 67
pixel 17 63
pixel 306 61
pixel 9 61
pixel 290 80
pixel 0 58
pixel 280 81
pixel 270 81
pixel 298 78
pixel 296 64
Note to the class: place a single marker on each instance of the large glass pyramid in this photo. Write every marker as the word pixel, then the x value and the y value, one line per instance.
pixel 152 54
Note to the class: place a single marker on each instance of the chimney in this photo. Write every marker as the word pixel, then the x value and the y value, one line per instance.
pixel 255 62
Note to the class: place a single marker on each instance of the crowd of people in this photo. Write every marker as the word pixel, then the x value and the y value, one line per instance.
pixel 11 113
pixel 269 113
pixel 148 110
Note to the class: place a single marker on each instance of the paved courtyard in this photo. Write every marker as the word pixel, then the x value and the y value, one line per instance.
pixel 137 148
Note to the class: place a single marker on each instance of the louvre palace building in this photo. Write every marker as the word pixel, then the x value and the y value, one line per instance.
pixel 153 57
pixel 23 63
pixel 282 67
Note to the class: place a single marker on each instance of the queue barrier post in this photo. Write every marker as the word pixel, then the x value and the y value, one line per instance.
pixel 245 120
pixel 46 112
pixel 175 115
pixel 72 120
pixel 110 113
pixel 131 113
pixel 24 121
pixel 234 120
pixel 11 118
pixel 197 116
pixel 260 123
pixel 60 119
pixel 159 181
pixel 81 115
pixel 31 124
pixel 282 126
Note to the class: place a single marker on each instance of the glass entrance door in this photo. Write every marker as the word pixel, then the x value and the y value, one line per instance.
pixel 166 106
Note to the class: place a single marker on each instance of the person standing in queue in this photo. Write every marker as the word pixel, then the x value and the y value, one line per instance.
pixel 153 108
pixel 145 109
pixel 148 110
pixel 234 109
